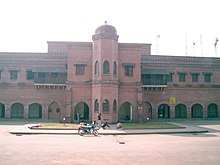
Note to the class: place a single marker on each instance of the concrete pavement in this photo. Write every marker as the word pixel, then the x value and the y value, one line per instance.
pixel 185 128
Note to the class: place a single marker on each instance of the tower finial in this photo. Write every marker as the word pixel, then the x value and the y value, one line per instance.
pixel 106 22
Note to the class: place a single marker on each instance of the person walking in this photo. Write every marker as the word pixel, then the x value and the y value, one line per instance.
pixel 99 120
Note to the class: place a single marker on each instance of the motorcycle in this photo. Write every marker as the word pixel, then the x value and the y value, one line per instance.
pixel 87 129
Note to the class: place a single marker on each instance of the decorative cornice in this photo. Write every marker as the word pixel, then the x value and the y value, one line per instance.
pixel 114 82
pixel 105 36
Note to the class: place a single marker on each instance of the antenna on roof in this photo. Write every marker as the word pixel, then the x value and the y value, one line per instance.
pixel 215 45
pixel 157 45
pixel 186 44
pixel 194 44
pixel 201 44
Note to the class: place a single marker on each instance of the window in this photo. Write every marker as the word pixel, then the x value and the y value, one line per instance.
pixel 207 77
pixel 80 69
pixel 114 106
pixel 106 67
pixel 41 75
pixel 58 110
pixel 96 68
pixel 105 105
pixel 114 68
pixel 195 77
pixel 128 70
pixel 13 74
pixel 170 77
pixel 182 77
pixel 30 75
pixel 54 75
pixel 96 106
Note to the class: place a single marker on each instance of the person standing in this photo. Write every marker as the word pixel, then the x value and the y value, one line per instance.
pixel 99 120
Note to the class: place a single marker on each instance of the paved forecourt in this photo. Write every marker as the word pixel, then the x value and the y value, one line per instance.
pixel 158 149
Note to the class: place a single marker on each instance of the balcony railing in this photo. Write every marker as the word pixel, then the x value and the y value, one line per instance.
pixel 153 82
pixel 50 80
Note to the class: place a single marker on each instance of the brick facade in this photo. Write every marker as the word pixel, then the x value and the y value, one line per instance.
pixel 122 81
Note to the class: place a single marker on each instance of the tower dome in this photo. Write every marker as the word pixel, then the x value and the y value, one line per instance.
pixel 105 32
pixel 109 29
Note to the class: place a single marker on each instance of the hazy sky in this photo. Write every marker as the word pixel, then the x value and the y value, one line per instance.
pixel 27 25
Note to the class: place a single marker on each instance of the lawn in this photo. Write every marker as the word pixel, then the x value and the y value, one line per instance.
pixel 148 125
pixel 59 125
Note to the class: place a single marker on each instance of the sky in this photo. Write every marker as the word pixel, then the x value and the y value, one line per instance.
pixel 173 27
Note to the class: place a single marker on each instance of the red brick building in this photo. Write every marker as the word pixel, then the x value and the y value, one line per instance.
pixel 123 81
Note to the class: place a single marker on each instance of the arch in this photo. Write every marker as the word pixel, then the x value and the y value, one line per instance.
pixel 114 106
pixel 35 111
pixel 213 110
pixel 96 68
pixel 180 111
pixel 2 110
pixel 54 111
pixel 197 111
pixel 164 111
pixel 17 110
pixel 114 68
pixel 125 112
pixel 81 112
pixel 105 105
pixel 106 67
pixel 96 106
pixel 148 110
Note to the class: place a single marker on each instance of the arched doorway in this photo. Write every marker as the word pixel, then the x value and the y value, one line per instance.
pixel 164 111
pixel 17 110
pixel 125 112
pixel 54 111
pixel 180 111
pixel 148 109
pixel 197 111
pixel 2 110
pixel 213 110
pixel 81 112
pixel 35 111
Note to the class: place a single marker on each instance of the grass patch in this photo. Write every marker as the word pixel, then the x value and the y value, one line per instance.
pixel 150 125
pixel 59 125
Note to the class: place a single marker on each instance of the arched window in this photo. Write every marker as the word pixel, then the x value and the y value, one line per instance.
pixel 213 110
pixel 105 105
pixel 96 68
pixel 197 111
pixel 114 68
pixel 114 106
pixel 164 111
pixel 96 106
pixel 106 67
